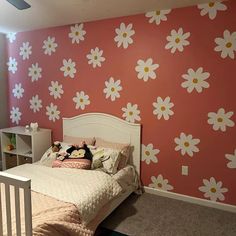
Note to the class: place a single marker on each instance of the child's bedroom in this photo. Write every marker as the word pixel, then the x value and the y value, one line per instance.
pixel 118 118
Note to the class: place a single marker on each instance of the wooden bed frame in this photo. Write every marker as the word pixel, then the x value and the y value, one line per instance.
pixel 100 125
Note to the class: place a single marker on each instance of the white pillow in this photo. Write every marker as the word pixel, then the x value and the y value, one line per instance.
pixel 49 156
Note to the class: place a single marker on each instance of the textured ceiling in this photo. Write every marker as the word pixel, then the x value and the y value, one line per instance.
pixel 45 13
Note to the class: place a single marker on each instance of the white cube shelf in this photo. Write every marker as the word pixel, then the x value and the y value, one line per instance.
pixel 29 147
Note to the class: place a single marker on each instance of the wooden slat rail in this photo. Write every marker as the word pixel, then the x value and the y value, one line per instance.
pixel 19 183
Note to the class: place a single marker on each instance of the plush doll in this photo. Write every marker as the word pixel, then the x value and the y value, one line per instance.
pixel 77 156
pixel 81 151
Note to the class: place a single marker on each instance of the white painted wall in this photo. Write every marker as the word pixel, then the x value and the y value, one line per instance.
pixel 3 82
pixel 3 86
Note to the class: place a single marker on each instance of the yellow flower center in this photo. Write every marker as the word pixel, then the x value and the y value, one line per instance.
pixel 211 4
pixel 77 33
pixel 68 68
pixel 147 153
pixel 177 40
pixel 146 69
pixel 220 119
pixel 159 185
pixel 213 190
pixel 163 108
pixel 95 57
pixel 158 13
pixel 131 113
pixel 112 89
pixel 124 35
pixel 186 144
pixel 228 45
pixel 81 100
pixel 195 80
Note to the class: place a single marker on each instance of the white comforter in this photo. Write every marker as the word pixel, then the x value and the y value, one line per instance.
pixel 88 190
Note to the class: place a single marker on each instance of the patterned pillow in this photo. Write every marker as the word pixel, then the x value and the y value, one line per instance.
pixel 123 148
pixel 73 163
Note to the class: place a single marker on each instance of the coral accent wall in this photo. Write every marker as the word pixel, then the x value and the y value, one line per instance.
pixel 172 71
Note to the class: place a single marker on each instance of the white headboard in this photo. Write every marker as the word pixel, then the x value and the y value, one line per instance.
pixel 108 127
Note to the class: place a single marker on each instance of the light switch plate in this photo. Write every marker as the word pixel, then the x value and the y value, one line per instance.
pixel 184 170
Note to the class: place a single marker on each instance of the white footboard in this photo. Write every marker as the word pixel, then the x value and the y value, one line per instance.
pixel 6 202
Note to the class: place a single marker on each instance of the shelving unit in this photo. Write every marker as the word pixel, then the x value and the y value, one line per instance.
pixel 29 147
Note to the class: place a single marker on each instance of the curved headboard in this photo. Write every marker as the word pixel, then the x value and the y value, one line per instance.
pixel 107 127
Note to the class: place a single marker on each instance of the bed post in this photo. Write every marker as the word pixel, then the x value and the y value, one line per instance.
pixel 7 181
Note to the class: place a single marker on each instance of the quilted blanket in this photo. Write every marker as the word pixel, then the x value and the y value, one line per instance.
pixel 50 217
pixel 88 190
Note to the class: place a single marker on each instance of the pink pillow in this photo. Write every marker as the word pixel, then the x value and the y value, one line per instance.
pixel 78 140
pixel 124 149
pixel 76 163
pixel 72 163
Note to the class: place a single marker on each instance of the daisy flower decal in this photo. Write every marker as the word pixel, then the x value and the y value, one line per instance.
pixel 213 189
pixel 124 35
pixel 160 183
pixel 131 113
pixel 177 40
pixel 220 120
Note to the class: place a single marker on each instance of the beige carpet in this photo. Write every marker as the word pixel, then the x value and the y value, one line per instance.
pixel 152 215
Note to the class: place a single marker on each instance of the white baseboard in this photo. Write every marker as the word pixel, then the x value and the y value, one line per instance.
pixel 185 198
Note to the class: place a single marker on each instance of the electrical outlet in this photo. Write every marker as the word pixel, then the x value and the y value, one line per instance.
pixel 184 170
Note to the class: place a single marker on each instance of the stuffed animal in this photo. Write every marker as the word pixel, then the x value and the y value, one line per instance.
pixel 56 146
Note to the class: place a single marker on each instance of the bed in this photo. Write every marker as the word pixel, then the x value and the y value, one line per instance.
pixel 89 202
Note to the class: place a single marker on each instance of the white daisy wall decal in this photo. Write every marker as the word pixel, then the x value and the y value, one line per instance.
pixel 149 154
pixel 95 57
pixel 11 36
pixel 25 50
pixel 123 35
pixel 81 100
pixel 12 65
pixel 146 69
pixel 157 16
pixel 186 144
pixel 55 89
pixel 213 189
pixel 52 112
pixel 112 89
pixel 232 160
pixel 177 40
pixel 35 103
pixel 77 33
pixel 162 108
pixel 226 45
pixel 131 113
pixel 220 120
pixel 68 68
pixel 211 8
pixel 15 115
pixel 18 91
pixel 49 46
pixel 160 183
pixel 35 72
pixel 195 80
